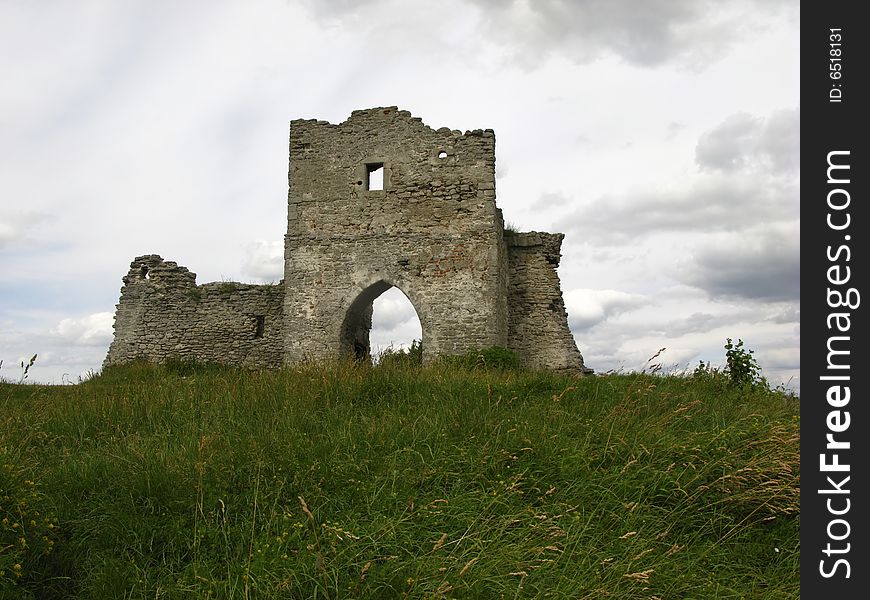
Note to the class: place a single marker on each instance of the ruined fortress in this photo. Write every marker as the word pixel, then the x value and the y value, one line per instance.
pixel 377 201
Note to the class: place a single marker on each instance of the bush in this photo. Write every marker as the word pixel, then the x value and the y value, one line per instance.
pixel 401 357
pixel 742 368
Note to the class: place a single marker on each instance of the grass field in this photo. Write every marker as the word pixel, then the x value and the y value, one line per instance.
pixel 350 481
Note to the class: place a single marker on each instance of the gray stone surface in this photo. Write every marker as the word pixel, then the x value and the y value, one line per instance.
pixel 163 314
pixel 432 229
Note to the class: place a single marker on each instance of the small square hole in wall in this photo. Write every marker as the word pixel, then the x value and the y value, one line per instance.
pixel 375 176
pixel 259 325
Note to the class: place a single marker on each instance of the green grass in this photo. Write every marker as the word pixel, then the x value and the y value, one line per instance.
pixel 390 482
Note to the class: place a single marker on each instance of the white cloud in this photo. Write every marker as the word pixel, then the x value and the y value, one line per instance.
pixel 8 233
pixel 693 327
pixel 19 228
pixel 91 330
pixel 587 307
pixel 394 321
pixel 264 260
pixel 392 309
pixel 68 349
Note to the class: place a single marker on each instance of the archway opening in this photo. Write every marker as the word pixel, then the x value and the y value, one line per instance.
pixel 380 321
pixel 395 324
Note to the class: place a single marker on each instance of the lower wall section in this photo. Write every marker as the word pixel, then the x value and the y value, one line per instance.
pixel 537 322
pixel 163 314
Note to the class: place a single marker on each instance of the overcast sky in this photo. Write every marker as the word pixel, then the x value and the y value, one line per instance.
pixel 661 136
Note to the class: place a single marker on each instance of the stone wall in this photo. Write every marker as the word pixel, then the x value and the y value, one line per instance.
pixel 163 314
pixel 433 231
pixel 538 330
pixel 430 227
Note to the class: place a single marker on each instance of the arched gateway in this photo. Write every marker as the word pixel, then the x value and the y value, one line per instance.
pixel 357 324
pixel 377 201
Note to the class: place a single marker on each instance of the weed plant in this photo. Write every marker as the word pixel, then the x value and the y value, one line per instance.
pixel 742 368
pixel 444 481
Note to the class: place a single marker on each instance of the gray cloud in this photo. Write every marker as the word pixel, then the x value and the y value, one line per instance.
pixel 550 200
pixel 646 34
pixel 708 204
pixel 674 129
pixel 703 322
pixel 746 142
pixel 748 175
pixel 763 266
pixel 791 314
pixel 725 147
pixel 780 140
pixel 698 321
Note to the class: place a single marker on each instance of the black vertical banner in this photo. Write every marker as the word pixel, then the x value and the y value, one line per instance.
pixel 835 420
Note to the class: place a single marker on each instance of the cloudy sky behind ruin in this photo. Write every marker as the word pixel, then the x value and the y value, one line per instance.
pixel 662 137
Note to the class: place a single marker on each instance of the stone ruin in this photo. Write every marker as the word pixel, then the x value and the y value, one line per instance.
pixel 377 201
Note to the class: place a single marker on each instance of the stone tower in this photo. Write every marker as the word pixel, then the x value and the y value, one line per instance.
pixel 382 200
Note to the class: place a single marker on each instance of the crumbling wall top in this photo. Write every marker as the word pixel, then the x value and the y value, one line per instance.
pixel 391 113
pixel 550 244
pixel 153 269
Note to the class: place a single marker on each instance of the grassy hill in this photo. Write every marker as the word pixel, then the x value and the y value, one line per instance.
pixel 351 481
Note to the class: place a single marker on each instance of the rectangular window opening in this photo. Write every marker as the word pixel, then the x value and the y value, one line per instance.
pixel 259 325
pixel 375 172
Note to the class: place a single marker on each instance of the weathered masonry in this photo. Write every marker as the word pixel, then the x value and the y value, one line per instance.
pixel 378 201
